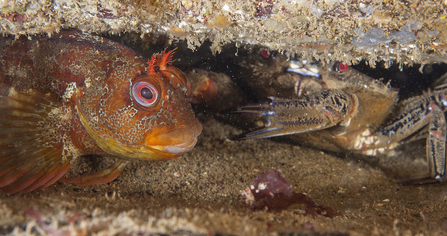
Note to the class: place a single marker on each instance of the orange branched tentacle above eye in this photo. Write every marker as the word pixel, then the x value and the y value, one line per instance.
pixel 152 64
pixel 166 59
pixel 160 62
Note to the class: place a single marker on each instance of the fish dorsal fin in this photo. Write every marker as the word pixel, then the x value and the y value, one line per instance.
pixel 34 149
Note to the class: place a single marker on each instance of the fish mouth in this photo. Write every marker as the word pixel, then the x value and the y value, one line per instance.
pixel 174 141
pixel 179 148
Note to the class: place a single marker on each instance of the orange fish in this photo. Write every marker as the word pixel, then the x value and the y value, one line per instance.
pixel 77 94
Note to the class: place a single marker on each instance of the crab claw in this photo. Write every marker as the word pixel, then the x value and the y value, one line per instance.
pixel 270 128
pixel 427 180
pixel 421 181
pixel 292 116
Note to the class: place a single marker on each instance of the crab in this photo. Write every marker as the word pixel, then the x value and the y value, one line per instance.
pixel 350 111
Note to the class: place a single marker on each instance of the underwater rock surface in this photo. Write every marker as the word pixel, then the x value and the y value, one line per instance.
pixel 406 31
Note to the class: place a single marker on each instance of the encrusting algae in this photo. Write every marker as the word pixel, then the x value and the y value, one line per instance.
pixel 75 94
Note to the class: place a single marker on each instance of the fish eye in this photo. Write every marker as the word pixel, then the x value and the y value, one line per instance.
pixel 341 67
pixel 145 93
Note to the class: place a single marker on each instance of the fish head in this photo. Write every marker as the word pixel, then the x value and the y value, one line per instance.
pixel 164 107
pixel 146 117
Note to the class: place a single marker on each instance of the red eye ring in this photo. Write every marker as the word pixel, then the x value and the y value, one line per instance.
pixel 145 93
pixel 265 52
pixel 342 67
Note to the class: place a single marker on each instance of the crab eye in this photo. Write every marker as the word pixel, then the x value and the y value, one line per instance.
pixel 342 67
pixel 145 93
pixel 265 52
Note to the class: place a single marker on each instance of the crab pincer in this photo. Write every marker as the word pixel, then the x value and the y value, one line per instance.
pixel 353 112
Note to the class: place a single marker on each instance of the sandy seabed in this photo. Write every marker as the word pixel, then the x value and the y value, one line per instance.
pixel 200 194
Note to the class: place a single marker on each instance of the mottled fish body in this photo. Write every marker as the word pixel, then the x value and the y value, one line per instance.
pixel 76 94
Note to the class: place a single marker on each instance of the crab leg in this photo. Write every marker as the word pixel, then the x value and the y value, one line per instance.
pixel 436 144
pixel 322 110
pixel 415 118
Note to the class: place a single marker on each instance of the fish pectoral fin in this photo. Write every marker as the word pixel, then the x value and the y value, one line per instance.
pixel 30 158
pixel 102 177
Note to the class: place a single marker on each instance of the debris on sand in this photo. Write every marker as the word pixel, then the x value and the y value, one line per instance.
pixel 272 191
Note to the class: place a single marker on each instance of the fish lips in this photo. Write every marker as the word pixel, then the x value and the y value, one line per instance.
pixel 174 140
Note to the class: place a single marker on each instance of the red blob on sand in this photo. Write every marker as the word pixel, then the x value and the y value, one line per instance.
pixel 272 191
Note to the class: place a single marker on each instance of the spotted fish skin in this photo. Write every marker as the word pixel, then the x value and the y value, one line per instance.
pixel 76 94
